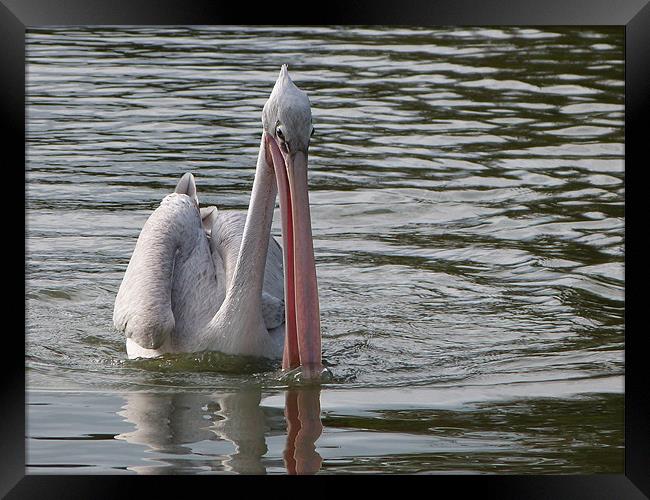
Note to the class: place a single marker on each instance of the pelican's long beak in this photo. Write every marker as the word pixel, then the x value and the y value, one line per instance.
pixel 302 346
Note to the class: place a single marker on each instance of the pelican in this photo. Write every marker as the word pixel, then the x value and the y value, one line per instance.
pixel 201 279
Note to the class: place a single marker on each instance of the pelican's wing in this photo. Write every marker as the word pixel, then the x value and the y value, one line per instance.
pixel 225 242
pixel 143 308
pixel 169 286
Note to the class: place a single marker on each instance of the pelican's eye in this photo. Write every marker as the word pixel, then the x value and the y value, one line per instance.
pixel 284 144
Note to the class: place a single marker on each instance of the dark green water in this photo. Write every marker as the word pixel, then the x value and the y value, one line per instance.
pixel 467 192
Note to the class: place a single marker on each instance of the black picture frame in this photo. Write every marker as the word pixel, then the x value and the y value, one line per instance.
pixel 634 15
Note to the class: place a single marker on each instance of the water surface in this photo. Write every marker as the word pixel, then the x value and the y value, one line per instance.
pixel 467 194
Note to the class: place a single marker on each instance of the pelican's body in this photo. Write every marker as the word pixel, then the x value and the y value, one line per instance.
pixel 205 280
pixel 200 268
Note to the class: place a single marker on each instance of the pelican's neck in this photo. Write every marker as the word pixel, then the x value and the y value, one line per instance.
pixel 248 278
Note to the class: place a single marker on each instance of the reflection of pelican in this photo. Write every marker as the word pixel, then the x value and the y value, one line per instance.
pixel 229 429
pixel 168 424
pixel 304 427
pixel 201 280
pixel 244 425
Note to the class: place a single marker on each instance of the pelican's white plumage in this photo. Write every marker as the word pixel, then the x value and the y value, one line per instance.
pixel 201 279
pixel 177 279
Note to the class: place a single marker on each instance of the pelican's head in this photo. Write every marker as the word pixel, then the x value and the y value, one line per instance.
pixel 287 115
pixel 287 131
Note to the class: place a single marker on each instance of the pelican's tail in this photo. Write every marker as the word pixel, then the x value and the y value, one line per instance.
pixel 187 186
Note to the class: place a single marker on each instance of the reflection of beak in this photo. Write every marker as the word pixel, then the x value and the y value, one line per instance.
pixel 302 345
pixel 304 427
